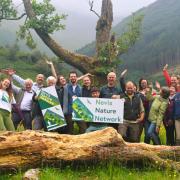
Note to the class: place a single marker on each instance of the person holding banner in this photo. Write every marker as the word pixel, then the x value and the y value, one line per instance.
pixel 71 90
pixel 133 114
pixel 95 92
pixel 110 91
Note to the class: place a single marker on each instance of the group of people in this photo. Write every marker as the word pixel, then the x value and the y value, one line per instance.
pixel 144 107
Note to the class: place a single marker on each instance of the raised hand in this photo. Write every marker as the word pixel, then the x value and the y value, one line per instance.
pixel 49 62
pixel 165 67
pixel 9 71
pixel 157 84
pixel 89 74
pixel 123 73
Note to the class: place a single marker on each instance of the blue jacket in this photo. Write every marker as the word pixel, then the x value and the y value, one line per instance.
pixel 176 106
pixel 68 94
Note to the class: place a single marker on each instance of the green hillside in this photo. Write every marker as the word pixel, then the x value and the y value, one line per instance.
pixel 28 64
pixel 159 43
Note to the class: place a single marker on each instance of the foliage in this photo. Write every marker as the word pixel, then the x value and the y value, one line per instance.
pixel 46 20
pixel 109 53
pixel 28 64
pixel 7 10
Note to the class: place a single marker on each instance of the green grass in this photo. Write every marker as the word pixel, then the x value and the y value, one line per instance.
pixel 100 172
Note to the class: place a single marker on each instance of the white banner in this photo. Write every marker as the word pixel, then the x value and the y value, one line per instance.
pixel 98 110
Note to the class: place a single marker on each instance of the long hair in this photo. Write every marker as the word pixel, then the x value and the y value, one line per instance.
pixel 9 89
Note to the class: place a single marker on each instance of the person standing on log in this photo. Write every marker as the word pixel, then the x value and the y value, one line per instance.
pixel 133 114
pixel 6 101
pixel 110 91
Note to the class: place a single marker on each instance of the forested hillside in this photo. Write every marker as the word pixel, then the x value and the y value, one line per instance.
pixel 27 64
pixel 159 43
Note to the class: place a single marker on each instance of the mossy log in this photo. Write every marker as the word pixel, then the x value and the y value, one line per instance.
pixel 32 149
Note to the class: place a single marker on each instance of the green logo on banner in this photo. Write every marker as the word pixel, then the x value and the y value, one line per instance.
pixel 53 120
pixel 47 100
pixel 81 111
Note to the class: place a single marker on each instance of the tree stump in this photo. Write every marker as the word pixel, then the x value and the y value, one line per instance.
pixel 33 149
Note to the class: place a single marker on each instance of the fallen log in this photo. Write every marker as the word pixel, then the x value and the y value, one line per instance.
pixel 32 149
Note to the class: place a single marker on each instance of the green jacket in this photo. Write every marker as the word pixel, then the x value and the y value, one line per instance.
pixel 158 109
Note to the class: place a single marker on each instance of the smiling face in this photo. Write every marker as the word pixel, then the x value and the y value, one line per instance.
pixel 172 90
pixel 111 78
pixel 86 81
pixel 28 85
pixel 62 80
pixel 40 79
pixel 5 84
pixel 144 84
pixel 174 81
pixel 130 88
pixel 73 78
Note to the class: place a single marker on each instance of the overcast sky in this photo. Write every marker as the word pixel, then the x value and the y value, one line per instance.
pixel 120 7
pixel 81 23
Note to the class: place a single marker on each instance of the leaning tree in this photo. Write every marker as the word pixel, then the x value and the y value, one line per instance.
pixel 42 18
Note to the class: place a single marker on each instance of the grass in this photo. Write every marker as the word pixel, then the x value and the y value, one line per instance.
pixel 100 172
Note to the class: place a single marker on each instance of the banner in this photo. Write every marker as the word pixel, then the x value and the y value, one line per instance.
pixel 51 108
pixel 98 110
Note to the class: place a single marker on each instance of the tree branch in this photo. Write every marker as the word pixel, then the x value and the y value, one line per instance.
pixel 81 62
pixel 16 18
pixel 91 8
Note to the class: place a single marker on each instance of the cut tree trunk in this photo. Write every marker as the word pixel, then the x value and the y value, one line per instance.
pixel 32 149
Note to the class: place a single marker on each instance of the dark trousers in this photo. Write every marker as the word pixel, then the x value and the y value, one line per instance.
pixel 26 121
pixel 129 131
pixel 170 139
pixel 68 129
pixel 70 125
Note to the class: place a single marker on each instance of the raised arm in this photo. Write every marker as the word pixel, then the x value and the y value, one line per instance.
pixel 11 73
pixel 83 76
pixel 166 75
pixel 53 71
pixel 122 81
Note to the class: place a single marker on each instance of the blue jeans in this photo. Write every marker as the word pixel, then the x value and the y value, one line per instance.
pixel 146 136
pixel 153 134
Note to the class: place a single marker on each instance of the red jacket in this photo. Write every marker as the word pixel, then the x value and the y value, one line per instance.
pixel 168 80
